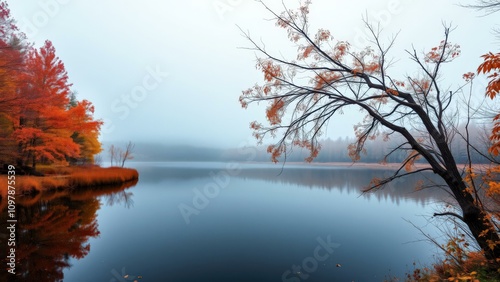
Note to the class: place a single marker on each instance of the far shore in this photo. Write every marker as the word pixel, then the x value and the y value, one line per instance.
pixel 372 165
pixel 326 164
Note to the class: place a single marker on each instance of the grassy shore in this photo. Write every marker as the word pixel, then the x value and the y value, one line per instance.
pixel 60 178
pixel 472 267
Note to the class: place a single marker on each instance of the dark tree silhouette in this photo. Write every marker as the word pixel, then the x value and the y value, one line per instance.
pixel 329 75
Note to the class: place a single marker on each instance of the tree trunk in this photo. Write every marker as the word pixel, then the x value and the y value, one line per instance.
pixel 484 232
pixel 480 225
pixel 473 215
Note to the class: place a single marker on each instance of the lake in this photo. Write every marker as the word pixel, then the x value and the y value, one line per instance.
pixel 229 222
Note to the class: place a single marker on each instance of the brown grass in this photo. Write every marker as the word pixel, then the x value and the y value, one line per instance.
pixel 56 169
pixel 69 178
pixel 93 177
pixel 472 269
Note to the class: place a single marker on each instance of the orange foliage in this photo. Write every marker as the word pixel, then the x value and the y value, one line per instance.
pixel 287 19
pixel 340 77
pixel 11 66
pixel 445 52
pixel 311 147
pixel 38 120
pixel 399 83
pixel 325 78
pixel 353 152
pixel 469 177
pixel 491 65
pixel 375 183
pixel 45 129
pixel 468 76
pixel 422 86
pixel 275 111
pixel 255 125
pixel 494 188
pixel 495 136
pixel 47 120
pixel 392 91
pixel 410 160
pixel 305 54
pixel 271 71
pixel 340 50
pixel 323 35
pixel 372 67
pixel 275 151
pixel 10 60
pixel 490 177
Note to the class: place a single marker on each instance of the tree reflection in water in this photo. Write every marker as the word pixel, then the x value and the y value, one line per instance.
pixel 54 227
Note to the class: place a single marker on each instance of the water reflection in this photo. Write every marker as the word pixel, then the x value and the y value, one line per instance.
pixel 354 180
pixel 350 180
pixel 54 227
pixel 261 223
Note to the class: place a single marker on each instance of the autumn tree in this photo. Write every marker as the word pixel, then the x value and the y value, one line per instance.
pixel 329 76
pixel 12 51
pixel 51 127
pixel 43 132
pixel 491 67
pixel 40 118
pixel 86 131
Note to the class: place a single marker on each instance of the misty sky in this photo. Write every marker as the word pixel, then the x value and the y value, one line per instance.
pixel 171 71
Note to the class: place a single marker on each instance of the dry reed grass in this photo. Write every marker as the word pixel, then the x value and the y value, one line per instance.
pixel 68 178
pixel 92 177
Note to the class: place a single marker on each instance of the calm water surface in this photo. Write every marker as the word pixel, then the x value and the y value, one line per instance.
pixel 228 222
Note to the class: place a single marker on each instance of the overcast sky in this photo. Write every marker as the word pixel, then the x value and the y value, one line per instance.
pixel 171 71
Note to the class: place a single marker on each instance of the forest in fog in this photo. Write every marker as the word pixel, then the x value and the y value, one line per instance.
pixel 332 150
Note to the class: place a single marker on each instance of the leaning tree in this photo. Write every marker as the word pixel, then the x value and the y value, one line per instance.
pixel 329 75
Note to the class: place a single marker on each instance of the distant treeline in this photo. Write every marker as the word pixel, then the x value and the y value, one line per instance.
pixel 332 151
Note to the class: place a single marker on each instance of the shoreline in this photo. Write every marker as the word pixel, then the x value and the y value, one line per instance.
pixel 362 164
pixel 66 179
pixel 319 164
